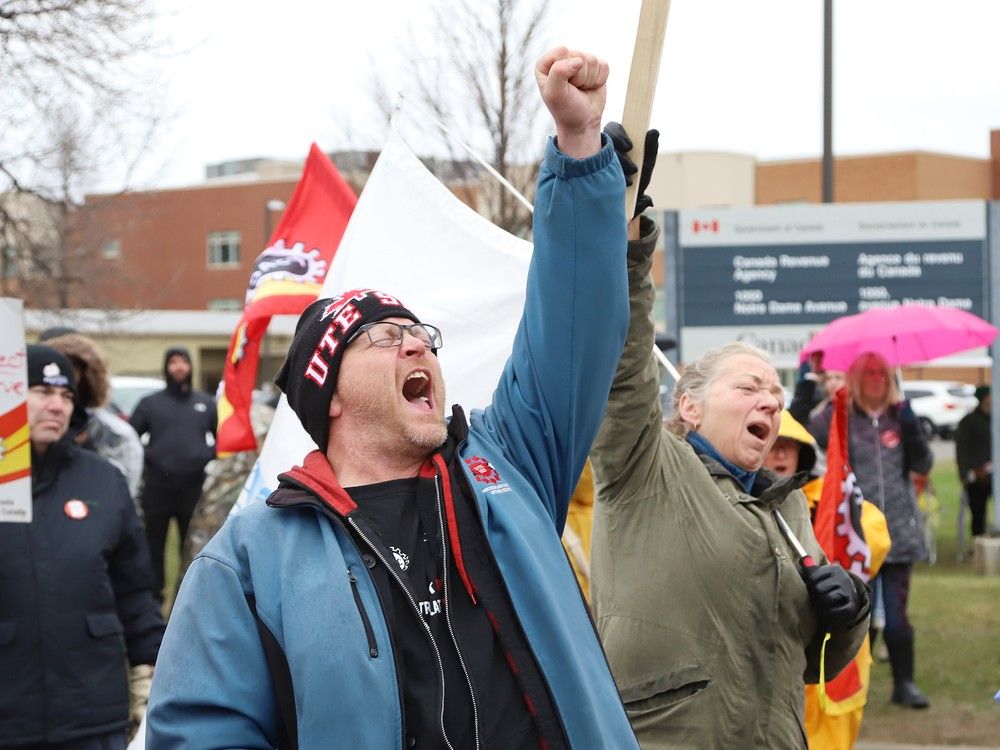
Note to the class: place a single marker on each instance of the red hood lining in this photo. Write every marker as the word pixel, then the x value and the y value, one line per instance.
pixel 452 522
pixel 317 475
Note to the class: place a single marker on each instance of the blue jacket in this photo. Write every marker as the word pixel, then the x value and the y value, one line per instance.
pixel 521 458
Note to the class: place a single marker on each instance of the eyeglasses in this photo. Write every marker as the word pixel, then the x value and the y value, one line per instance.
pixel 385 333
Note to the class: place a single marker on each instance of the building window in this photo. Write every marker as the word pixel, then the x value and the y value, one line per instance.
pixel 223 249
pixel 225 303
pixel 112 249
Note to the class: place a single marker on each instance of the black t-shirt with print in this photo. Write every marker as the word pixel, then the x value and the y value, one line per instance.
pixel 391 507
pixel 405 514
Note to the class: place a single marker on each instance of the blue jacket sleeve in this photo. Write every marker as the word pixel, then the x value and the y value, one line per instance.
pixel 553 390
pixel 212 687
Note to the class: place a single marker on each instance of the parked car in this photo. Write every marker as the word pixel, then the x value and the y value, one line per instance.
pixel 940 404
pixel 128 390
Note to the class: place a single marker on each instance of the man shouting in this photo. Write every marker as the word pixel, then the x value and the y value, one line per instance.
pixel 405 586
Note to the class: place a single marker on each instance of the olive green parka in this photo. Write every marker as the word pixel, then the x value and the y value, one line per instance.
pixel 697 596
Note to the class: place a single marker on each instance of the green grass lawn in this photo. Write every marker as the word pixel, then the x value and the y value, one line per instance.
pixel 171 563
pixel 956 615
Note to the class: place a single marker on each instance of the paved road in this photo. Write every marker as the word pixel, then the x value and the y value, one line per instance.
pixel 944 450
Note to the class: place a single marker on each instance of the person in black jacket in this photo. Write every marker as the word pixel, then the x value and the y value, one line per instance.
pixel 814 388
pixel 973 452
pixel 75 588
pixel 177 420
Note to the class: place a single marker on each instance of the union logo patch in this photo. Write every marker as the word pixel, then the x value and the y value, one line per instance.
pixel 890 438
pixel 482 470
pixel 76 509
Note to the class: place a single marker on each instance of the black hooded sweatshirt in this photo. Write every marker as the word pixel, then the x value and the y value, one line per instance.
pixel 177 419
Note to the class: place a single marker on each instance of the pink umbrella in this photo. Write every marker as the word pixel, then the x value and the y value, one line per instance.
pixel 903 335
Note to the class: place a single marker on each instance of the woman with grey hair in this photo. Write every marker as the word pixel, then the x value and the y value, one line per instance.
pixel 708 620
pixel 886 446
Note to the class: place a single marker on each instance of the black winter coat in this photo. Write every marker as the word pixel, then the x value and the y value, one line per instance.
pixel 177 424
pixel 972 442
pixel 75 601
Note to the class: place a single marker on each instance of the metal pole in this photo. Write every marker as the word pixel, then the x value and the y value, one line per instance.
pixel 804 557
pixel 828 101
pixel 270 206
pixel 993 252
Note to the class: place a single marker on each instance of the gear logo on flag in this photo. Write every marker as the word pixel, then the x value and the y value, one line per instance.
pixel 280 263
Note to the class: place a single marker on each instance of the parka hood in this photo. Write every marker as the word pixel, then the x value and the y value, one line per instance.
pixel 792 429
pixel 82 352
pixel 178 389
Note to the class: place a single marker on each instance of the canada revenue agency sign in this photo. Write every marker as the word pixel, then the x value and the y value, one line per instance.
pixel 774 275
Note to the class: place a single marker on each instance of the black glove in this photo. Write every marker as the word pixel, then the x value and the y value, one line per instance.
pixel 837 601
pixel 623 144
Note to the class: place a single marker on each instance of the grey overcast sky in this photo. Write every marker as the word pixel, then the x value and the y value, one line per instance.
pixel 253 78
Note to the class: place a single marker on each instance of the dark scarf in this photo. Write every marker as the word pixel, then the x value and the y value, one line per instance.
pixel 703 446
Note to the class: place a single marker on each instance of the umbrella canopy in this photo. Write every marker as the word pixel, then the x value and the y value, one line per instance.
pixel 903 335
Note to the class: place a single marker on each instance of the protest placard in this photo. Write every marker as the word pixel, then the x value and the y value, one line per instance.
pixel 15 445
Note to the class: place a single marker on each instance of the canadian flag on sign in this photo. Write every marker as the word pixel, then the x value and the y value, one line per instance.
pixel 705 226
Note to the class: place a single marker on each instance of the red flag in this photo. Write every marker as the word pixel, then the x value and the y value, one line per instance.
pixel 286 277
pixel 837 525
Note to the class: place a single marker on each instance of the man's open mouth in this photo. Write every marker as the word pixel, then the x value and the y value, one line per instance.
pixel 417 389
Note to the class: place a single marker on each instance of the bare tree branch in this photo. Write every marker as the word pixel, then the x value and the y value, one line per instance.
pixel 478 79
pixel 73 104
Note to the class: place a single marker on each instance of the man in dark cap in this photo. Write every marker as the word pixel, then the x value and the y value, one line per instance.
pixel 973 453
pixel 179 421
pixel 93 424
pixel 406 586
pixel 75 588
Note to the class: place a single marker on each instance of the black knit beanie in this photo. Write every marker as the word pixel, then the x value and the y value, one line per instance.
pixel 48 366
pixel 309 374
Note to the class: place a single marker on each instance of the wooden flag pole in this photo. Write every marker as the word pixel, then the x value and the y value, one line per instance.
pixel 642 85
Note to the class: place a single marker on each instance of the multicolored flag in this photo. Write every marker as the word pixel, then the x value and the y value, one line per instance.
pixel 837 526
pixel 286 277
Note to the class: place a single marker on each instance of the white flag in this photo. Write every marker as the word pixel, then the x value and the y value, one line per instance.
pixel 411 237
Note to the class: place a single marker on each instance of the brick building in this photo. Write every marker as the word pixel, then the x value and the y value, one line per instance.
pixel 197 245
pixel 192 248
pixel 909 176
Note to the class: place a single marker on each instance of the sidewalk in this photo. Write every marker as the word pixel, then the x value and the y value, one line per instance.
pixel 893 746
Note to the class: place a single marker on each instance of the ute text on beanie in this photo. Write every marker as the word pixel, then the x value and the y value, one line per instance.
pixel 308 376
